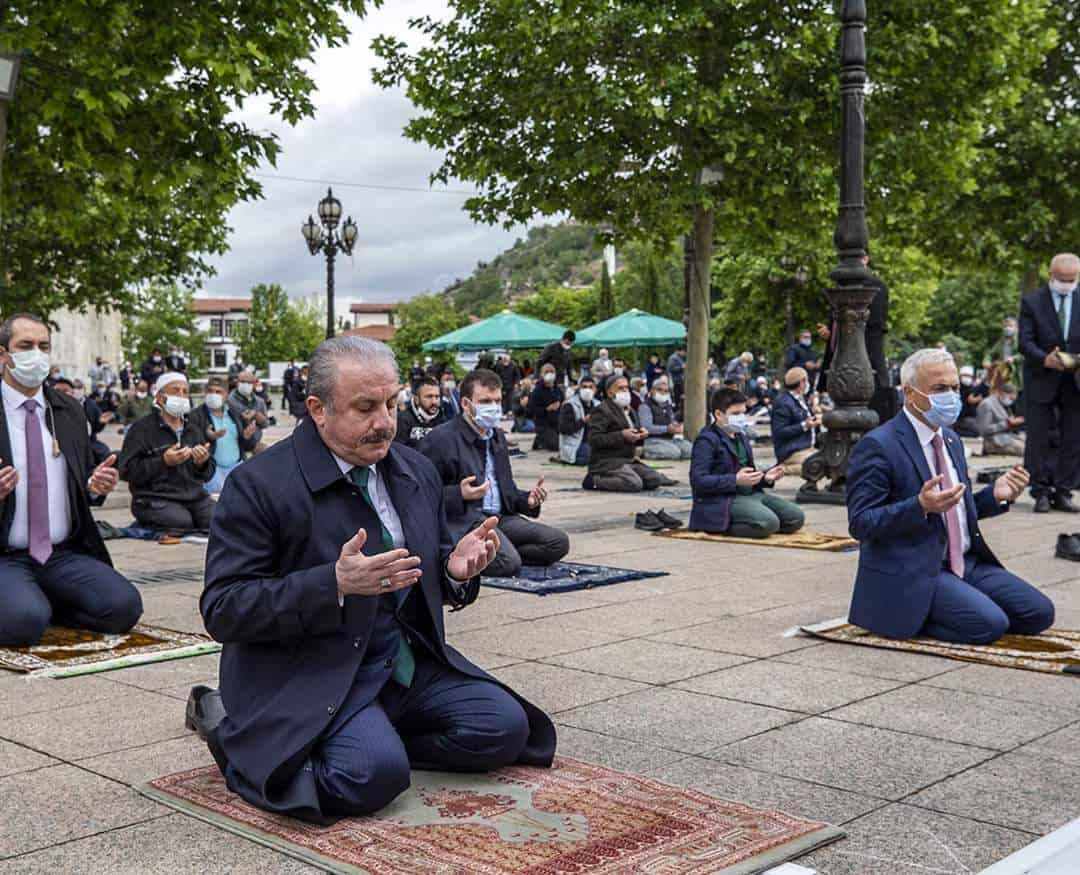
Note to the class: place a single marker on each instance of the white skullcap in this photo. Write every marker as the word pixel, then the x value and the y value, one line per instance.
pixel 168 377
pixel 967 371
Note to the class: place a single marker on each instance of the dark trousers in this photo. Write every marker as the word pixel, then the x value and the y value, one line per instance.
pixel 986 604
pixel 70 589
pixel 173 516
pixel 445 721
pixel 1053 435
pixel 758 516
pixel 526 542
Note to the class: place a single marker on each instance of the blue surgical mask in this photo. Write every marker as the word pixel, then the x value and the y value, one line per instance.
pixel 944 409
pixel 488 415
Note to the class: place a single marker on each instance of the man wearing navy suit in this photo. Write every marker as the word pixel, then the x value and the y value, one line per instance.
pixel 924 568
pixel 328 566
pixel 793 425
pixel 1050 325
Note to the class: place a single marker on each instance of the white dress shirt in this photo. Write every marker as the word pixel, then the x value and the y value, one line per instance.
pixel 380 497
pixel 925 435
pixel 56 471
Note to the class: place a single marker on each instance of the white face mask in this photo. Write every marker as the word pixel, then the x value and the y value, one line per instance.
pixel 618 372
pixel 488 415
pixel 30 367
pixel 1060 287
pixel 966 381
pixel 622 398
pixel 587 395
pixel 215 401
pixel 245 389
pixel 738 421
pixel 661 397
pixel 449 386
pixel 549 378
pixel 175 405
pixel 140 395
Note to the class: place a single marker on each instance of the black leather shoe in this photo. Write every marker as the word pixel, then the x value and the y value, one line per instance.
pixel 1064 503
pixel 668 520
pixel 667 481
pixel 1042 504
pixel 648 522
pixel 204 711
pixel 1068 547
pixel 588 483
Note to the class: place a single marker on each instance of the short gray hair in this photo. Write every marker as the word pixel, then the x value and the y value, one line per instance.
pixel 915 362
pixel 1065 261
pixel 323 364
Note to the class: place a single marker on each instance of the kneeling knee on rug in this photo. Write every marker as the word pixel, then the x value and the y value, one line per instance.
pixel 23 626
pixel 364 789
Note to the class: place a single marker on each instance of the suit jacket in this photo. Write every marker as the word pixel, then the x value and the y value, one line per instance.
pixel 202 419
pixel 411 429
pixel 451 404
pixel 69 422
pixel 1040 331
pixel 291 652
pixel 713 466
pixel 606 444
pixel 559 357
pixel 786 419
pixel 902 549
pixel 457 451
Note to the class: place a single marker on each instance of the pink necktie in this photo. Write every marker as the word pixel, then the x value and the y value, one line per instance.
pixel 952 516
pixel 37 487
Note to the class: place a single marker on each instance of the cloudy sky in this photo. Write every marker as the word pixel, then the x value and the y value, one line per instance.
pixel 409 242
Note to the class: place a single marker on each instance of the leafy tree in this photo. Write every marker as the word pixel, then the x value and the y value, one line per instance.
pixel 571 308
pixel 165 319
pixel 610 110
pixel 605 307
pixel 651 279
pixel 278 329
pixel 422 319
pixel 124 153
pixel 971 306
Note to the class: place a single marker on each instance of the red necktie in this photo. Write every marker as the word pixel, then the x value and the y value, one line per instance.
pixel 952 516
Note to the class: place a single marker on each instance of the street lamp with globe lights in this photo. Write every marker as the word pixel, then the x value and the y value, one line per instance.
pixel 324 237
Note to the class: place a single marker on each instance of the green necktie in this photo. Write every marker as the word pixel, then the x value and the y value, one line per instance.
pixel 1061 316
pixel 405 664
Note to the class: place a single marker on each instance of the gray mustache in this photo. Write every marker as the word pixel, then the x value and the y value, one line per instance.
pixel 378 436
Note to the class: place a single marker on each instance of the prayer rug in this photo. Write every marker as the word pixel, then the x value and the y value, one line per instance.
pixel 803 540
pixel 64 652
pixel 1055 651
pixel 571 819
pixel 566 576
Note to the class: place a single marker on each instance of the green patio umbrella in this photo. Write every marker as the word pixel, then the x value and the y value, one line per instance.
pixel 633 328
pixel 504 330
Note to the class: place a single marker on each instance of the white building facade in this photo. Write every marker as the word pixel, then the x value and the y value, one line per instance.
pixel 220 319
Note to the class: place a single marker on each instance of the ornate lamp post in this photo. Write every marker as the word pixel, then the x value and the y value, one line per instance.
pixel 850 377
pixel 327 240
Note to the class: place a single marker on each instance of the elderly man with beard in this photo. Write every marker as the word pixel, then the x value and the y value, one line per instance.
pixel 423 412
pixel 328 566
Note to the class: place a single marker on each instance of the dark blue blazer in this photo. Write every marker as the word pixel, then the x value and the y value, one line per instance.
pixel 291 652
pixel 451 404
pixel 1039 330
pixel 785 420
pixel 713 466
pixel 902 549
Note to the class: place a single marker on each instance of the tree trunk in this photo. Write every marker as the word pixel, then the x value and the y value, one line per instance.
pixel 697 335
pixel 1031 279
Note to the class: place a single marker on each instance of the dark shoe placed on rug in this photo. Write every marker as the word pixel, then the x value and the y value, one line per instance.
pixel 204 711
pixel 1064 503
pixel 668 520
pixel 667 481
pixel 648 522
pixel 1068 547
pixel 588 483
pixel 1042 504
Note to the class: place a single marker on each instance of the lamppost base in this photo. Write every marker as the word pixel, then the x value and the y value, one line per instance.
pixel 834 494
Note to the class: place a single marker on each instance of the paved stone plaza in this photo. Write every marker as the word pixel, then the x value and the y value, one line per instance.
pixel 930 765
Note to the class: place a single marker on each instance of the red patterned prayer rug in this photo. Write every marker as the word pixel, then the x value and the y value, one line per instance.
pixel 570 819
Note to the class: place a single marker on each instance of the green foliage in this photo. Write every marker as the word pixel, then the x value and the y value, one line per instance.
pixel 419 320
pixel 605 306
pixel 278 329
pixel 125 154
pixel 572 308
pixel 966 312
pixel 650 279
pixel 164 319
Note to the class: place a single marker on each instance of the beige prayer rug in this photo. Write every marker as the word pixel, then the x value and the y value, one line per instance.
pixel 573 818
pixel 64 652
pixel 801 540
pixel 1055 651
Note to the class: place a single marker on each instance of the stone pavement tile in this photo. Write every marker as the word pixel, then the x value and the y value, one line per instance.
pixel 168 604
pixel 1063 746
pixel 615 753
pixel 677 581
pixel 482 614
pixel 903 840
pixel 527 606
pixel 1010 683
pixel 180 621
pixel 171 844
pixel 763 790
pixel 182 691
pixel 534 639
pixel 142 764
pixel 869 661
pixel 875 762
pixel 1033 793
pixel 487 660
pixel 20 694
pixel 651 662
pixel 159 675
pixel 957 716
pixel 48 806
pixel 648 617
pixel 676 719
pixel 133 719
pixel 785 685
pixel 15 758
pixel 554 688
pixel 1041 568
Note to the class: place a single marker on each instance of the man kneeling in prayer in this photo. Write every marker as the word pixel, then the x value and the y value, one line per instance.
pixel 924 567
pixel 328 565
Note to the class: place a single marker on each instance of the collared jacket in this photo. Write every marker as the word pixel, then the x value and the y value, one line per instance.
pixel 1040 331
pixel 292 652
pixel 714 464
pixel 142 460
pixel 606 442
pixel 411 429
pixel 67 421
pixel 786 424
pixel 573 429
pixel 202 418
